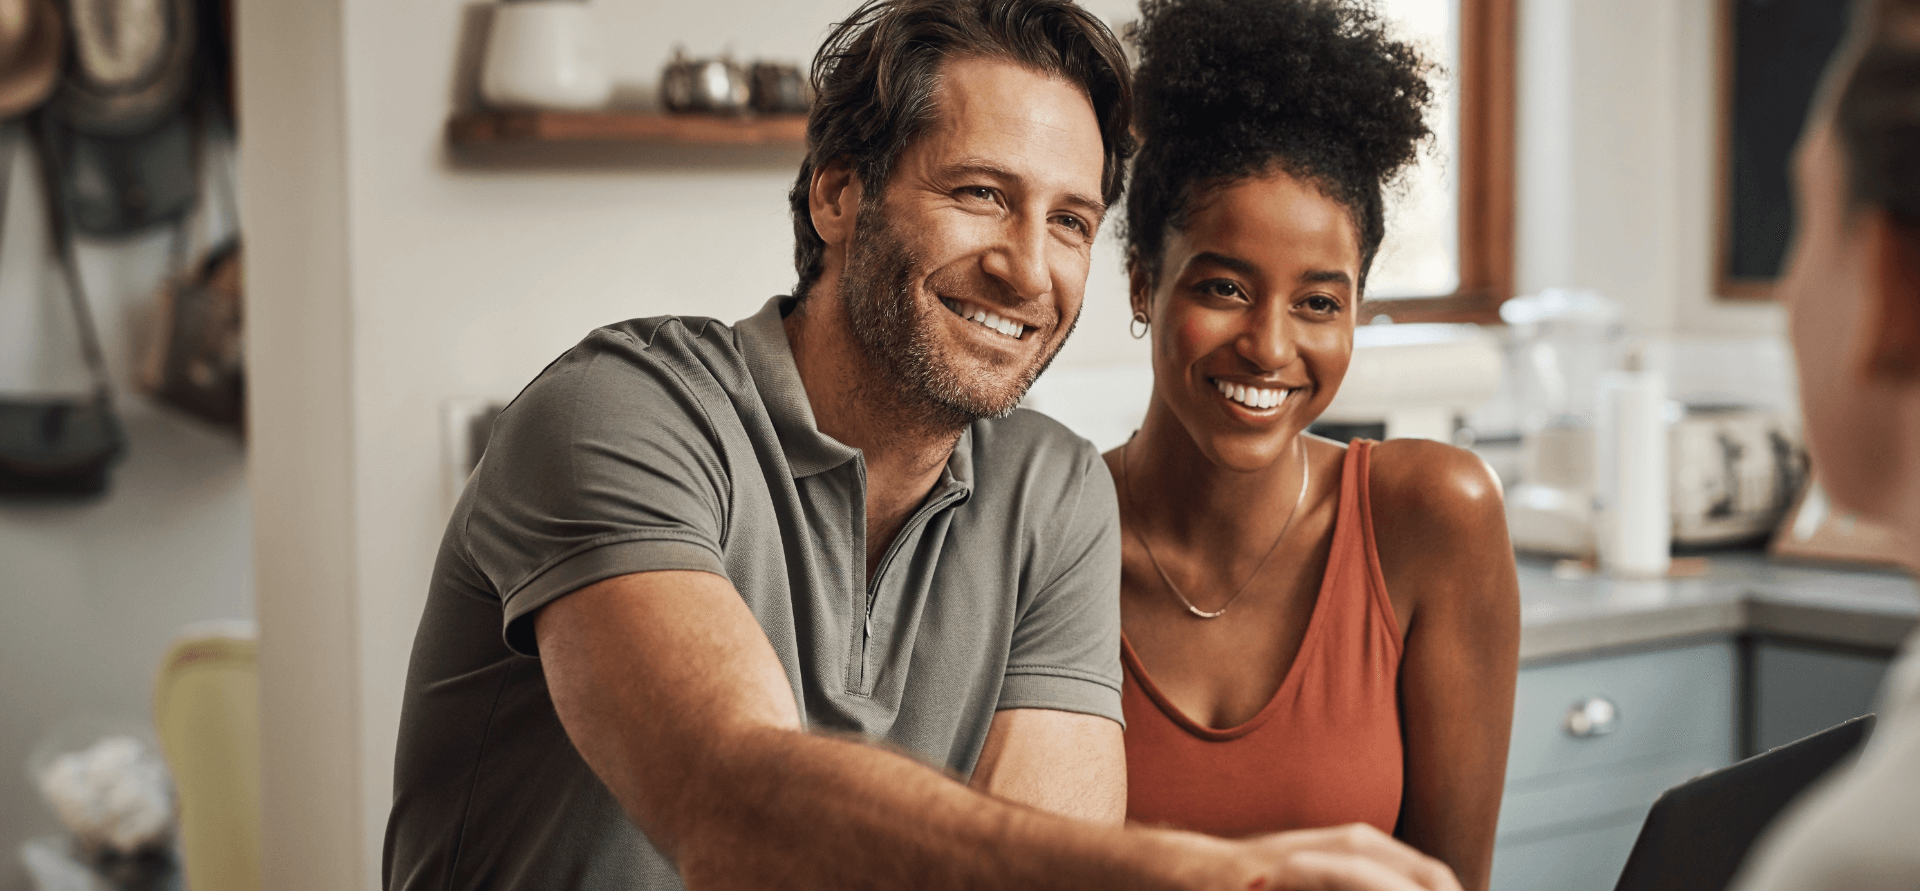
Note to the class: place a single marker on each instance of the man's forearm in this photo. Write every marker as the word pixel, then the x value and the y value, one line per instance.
pixel 784 809
pixel 672 695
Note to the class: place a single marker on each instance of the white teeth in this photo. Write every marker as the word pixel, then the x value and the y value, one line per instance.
pixel 985 318
pixel 1252 397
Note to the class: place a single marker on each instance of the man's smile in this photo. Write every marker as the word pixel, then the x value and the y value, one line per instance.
pixel 986 318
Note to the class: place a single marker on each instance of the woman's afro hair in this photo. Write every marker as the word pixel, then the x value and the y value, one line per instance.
pixel 1229 89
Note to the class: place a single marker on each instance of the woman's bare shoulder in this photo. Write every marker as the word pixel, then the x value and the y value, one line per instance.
pixel 1432 482
pixel 1440 529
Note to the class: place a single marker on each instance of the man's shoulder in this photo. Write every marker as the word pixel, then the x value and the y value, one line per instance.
pixel 1029 432
pixel 1036 461
pixel 656 337
pixel 662 349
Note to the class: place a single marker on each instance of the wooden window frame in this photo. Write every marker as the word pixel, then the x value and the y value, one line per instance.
pixel 1488 58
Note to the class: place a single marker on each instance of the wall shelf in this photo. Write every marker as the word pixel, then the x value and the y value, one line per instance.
pixel 632 128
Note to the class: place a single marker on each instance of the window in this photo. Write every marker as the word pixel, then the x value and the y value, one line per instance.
pixel 1448 255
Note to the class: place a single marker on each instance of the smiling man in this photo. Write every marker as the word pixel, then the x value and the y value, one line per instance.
pixel 804 602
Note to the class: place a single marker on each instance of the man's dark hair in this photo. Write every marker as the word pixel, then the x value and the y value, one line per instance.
pixel 875 78
pixel 1878 114
pixel 1231 89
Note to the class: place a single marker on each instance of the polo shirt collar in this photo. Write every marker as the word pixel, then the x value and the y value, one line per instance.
pixel 763 339
pixel 769 355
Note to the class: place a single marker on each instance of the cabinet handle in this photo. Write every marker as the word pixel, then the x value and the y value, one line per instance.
pixel 1592 717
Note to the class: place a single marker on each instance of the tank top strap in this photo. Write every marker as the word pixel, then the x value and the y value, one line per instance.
pixel 1354 546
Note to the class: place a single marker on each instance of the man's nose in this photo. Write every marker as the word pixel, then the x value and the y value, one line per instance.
pixel 1020 259
pixel 1268 339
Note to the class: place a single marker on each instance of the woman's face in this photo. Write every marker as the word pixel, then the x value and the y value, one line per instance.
pixel 1252 316
pixel 1826 290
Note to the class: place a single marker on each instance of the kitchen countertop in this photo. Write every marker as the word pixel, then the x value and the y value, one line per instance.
pixel 1741 592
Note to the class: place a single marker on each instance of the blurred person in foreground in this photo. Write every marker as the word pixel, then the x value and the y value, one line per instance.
pixel 1852 288
pixel 804 601
pixel 1315 633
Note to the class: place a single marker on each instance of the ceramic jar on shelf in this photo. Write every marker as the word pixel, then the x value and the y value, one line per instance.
pixel 545 54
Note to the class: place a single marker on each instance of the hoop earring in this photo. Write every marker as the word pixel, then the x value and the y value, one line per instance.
pixel 1138 325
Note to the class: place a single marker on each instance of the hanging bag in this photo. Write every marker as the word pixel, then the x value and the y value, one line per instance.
pixel 58 446
pixel 194 360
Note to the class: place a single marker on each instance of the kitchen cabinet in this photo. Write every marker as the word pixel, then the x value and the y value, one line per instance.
pixel 1697 671
pixel 1798 688
pixel 1595 741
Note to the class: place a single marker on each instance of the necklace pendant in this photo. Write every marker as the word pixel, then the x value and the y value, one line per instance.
pixel 1126 483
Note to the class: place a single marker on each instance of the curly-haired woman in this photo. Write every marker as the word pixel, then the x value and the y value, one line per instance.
pixel 1315 633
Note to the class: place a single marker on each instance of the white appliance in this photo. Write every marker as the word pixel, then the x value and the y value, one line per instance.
pixel 1418 380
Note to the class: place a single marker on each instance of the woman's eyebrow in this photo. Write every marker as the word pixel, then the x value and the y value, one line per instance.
pixel 1244 267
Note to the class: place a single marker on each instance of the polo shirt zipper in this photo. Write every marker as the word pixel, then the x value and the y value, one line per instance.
pixel 918 519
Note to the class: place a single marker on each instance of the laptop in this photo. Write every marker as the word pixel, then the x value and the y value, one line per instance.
pixel 1699 831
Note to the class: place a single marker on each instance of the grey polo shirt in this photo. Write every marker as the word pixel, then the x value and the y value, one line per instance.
pixel 683 443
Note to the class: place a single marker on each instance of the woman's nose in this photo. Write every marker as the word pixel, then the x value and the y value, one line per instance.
pixel 1268 339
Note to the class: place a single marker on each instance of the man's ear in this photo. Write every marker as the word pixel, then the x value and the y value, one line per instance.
pixel 833 200
pixel 1893 282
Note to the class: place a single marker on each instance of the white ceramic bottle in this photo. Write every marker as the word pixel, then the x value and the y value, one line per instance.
pixel 544 54
pixel 1636 521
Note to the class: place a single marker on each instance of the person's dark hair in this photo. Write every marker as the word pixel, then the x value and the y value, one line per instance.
pixel 874 81
pixel 1230 89
pixel 1878 114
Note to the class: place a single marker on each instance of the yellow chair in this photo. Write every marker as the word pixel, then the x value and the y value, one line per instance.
pixel 206 709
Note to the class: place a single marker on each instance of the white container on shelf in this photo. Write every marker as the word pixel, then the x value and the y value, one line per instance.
pixel 545 54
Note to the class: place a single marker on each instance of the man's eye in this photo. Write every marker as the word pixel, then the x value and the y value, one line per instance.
pixel 979 193
pixel 1075 223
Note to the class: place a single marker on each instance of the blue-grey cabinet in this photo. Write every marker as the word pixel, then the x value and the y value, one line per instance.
pixel 1595 741
pixel 1801 688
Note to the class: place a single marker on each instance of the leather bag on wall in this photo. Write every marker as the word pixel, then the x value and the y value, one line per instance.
pixel 195 361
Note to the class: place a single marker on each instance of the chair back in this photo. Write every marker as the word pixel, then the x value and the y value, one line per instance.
pixel 206 709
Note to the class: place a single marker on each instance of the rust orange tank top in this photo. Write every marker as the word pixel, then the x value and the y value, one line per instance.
pixel 1325 750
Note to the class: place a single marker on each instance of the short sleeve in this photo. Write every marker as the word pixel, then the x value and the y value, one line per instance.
pixel 1065 653
pixel 607 464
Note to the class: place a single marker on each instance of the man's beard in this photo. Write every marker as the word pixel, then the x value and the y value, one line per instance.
pixel 929 390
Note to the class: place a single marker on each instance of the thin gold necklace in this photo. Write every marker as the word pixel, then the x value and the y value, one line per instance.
pixel 1126 481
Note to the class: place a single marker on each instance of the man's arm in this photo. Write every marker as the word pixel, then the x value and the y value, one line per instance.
pixel 1060 762
pixel 669 690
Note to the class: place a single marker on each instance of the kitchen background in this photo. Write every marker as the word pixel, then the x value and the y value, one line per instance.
pixel 389 275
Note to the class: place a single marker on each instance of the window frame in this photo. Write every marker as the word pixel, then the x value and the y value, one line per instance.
pixel 1485 200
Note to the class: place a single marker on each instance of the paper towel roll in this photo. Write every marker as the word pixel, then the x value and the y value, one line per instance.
pixel 1636 522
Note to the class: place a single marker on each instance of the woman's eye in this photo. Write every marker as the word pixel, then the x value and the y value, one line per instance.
pixel 1220 288
pixel 1321 304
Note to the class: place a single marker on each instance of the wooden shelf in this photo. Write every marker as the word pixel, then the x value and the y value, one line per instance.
pixel 636 128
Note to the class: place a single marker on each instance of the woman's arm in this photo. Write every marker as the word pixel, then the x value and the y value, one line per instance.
pixel 1441 532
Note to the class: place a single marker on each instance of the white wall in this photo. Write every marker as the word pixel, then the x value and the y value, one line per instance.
pixel 387 278
pixel 1616 141
pixel 91 593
